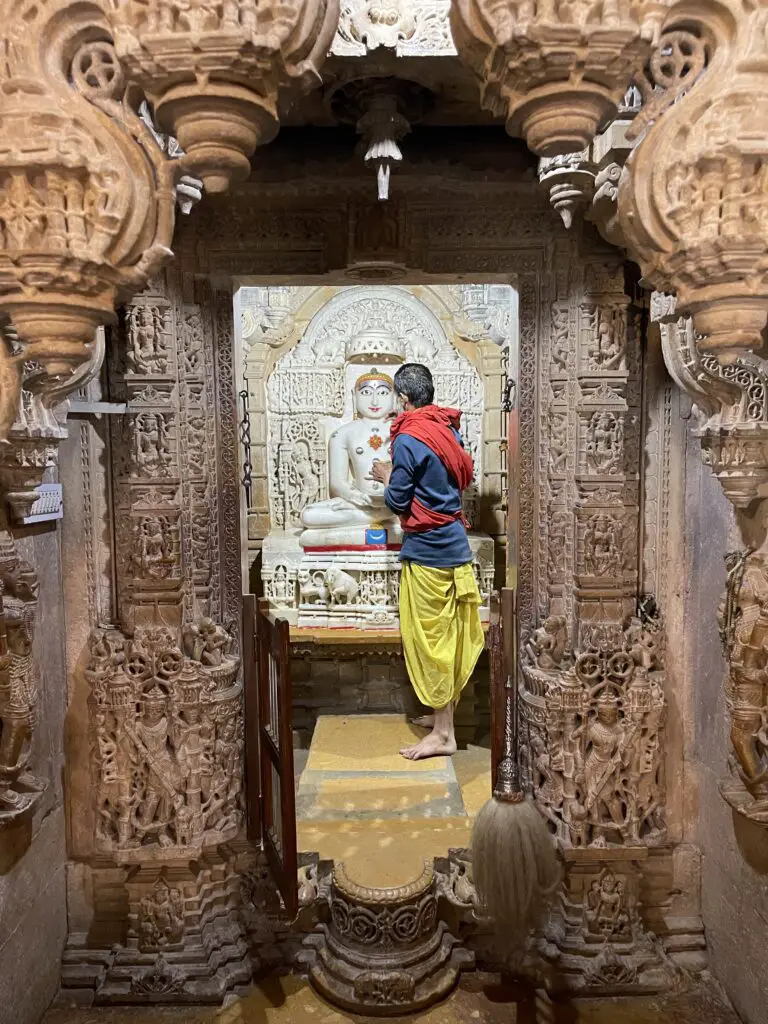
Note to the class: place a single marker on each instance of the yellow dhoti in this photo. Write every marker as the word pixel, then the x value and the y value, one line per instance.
pixel 440 629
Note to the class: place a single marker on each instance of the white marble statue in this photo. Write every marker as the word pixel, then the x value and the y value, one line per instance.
pixel 357 500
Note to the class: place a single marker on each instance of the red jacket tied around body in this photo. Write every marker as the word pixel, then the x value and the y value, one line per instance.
pixel 434 426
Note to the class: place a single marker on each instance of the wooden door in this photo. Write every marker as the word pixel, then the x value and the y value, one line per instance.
pixel 269 749
pixel 251 703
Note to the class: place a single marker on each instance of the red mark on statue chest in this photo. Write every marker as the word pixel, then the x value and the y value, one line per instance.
pixel 375 441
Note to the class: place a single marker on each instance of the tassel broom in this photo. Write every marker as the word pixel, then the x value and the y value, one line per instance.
pixel 515 866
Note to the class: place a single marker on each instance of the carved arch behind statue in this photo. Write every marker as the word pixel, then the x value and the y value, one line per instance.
pixel 279 325
pixel 354 294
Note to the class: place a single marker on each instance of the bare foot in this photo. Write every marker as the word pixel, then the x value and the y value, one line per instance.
pixel 424 721
pixel 435 745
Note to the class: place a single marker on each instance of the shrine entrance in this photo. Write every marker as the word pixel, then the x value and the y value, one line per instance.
pixel 323 660
pixel 234 371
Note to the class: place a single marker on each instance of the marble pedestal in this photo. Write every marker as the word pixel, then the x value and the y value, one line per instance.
pixel 347 587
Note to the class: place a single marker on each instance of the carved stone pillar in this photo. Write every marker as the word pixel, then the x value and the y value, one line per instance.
pixel 731 403
pixel 19 788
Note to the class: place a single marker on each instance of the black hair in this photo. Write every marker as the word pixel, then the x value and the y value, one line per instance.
pixel 415 382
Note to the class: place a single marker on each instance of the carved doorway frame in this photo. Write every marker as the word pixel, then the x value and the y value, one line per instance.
pixel 512 369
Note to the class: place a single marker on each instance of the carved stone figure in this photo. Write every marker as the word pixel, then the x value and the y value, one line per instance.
pixel 560 340
pixel 744 629
pixel 147 351
pixel 604 743
pixel 596 720
pixel 153 552
pixel 547 646
pixel 167 753
pixel 342 588
pixel 19 789
pixel 207 642
pixel 607 347
pixel 605 443
pixel 161 918
pixel 356 500
pixel 602 545
pixel 151 453
pixel 558 443
pixel 605 912
pixel 312 586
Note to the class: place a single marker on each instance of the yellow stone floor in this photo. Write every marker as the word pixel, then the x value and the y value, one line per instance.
pixel 481 999
pixel 379 813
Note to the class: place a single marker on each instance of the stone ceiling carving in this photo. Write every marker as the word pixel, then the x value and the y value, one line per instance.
pixel 412 28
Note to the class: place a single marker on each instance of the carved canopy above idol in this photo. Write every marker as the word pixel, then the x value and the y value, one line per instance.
pixel 330 556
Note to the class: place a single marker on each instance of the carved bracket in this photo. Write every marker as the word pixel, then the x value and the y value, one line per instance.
pixel 732 406
pixel 87 208
pixel 214 72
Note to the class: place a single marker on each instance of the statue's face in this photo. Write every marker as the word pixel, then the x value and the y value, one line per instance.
pixel 374 399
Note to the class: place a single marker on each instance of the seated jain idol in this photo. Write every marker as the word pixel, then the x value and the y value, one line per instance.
pixel 334 560
pixel 355 515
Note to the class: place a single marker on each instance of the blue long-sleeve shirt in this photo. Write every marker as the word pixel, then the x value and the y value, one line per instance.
pixel 418 473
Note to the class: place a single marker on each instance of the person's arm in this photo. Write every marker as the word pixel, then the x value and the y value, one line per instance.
pixel 398 495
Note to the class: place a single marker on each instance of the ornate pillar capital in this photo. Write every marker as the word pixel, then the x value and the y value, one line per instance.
pixel 693 202
pixel 214 72
pixel 731 400
pixel 86 194
pixel 555 70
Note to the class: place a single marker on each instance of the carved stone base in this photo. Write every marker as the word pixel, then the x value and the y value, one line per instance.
pixel 384 952
pixel 595 939
pixel 183 938
pixel 350 588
